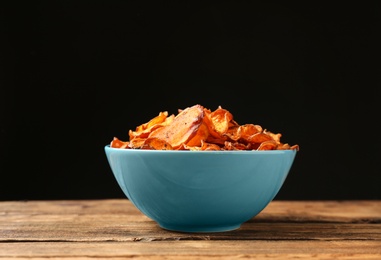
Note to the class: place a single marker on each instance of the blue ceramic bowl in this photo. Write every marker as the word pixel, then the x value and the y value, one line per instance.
pixel 200 191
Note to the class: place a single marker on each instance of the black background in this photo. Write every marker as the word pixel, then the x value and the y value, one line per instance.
pixel 74 74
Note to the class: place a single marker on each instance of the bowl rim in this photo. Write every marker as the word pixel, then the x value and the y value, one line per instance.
pixel 107 147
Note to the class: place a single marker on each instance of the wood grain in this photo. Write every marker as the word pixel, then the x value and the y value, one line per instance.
pixel 115 229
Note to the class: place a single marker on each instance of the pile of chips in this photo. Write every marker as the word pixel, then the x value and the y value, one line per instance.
pixel 197 128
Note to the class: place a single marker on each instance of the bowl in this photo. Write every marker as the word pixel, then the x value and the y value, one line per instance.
pixel 200 191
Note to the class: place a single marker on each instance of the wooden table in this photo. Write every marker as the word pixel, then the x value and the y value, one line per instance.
pixel 115 229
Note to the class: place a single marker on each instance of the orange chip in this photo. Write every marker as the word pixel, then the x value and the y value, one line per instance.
pixel 268 145
pixel 220 119
pixel 243 132
pixel 201 135
pixel 153 143
pixel 204 147
pixel 116 143
pixel 276 137
pixel 197 128
pixel 213 140
pixel 144 130
pixel 288 147
pixel 259 138
pixel 233 133
pixel 235 146
pixel 183 127
pixel 137 142
pixel 210 147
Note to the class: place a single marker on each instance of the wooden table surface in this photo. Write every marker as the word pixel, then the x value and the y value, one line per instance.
pixel 115 229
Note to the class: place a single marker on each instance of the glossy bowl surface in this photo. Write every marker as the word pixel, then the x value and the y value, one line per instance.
pixel 200 191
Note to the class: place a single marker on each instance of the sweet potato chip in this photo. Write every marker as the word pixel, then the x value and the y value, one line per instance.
pixel 204 147
pixel 259 138
pixel 236 146
pixel 137 143
pixel 144 130
pixel 268 145
pixel 116 143
pixel 183 127
pixel 197 128
pixel 153 143
pixel 221 119
pixel 201 135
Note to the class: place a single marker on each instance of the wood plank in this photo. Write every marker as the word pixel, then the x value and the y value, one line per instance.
pixel 187 249
pixel 149 231
pixel 352 211
pixel 233 257
pixel 367 211
pixel 118 220
pixel 68 207
pixel 115 229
